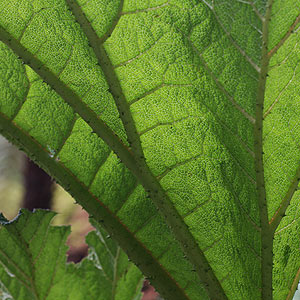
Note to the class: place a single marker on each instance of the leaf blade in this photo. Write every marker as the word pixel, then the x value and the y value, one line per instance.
pixel 192 218
pixel 43 246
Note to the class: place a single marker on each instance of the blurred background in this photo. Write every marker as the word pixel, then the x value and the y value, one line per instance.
pixel 24 185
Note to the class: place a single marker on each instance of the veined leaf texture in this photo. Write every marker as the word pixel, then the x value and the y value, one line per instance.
pixel 33 263
pixel 175 124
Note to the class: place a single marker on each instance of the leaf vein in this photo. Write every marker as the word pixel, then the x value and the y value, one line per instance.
pixel 234 43
pixel 98 169
pixel 284 38
pixel 146 9
pixel 147 262
pixel 220 86
pixel 268 111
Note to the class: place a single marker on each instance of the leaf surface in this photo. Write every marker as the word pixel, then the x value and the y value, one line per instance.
pixel 190 103
pixel 33 263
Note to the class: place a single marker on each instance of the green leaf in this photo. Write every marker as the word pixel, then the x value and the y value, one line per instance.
pixel 175 124
pixel 33 263
pixel 123 279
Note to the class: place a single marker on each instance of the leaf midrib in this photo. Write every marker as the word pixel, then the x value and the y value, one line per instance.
pixel 266 232
pixel 141 170
pixel 100 129
pixel 134 249
pixel 96 121
pixel 148 180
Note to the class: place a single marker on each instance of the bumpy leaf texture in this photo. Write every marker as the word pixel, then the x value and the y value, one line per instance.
pixel 175 124
pixel 33 263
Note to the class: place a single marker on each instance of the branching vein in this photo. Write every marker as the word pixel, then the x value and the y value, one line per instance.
pixel 286 36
